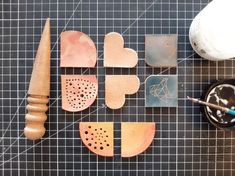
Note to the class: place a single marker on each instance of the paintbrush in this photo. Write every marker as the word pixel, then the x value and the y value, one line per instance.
pixel 224 109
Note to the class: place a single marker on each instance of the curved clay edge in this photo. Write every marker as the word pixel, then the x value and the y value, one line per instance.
pixel 136 54
pixel 116 33
pixel 93 66
pixel 82 109
pixel 125 95
pixel 93 100
pixel 137 85
pixel 120 106
pixel 149 143
pixel 123 44
pixel 81 136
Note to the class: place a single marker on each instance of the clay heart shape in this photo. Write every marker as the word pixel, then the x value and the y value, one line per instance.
pixel 98 137
pixel 117 86
pixel 77 50
pixel 136 137
pixel 115 55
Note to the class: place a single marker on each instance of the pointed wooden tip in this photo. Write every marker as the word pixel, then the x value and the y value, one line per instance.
pixel 40 79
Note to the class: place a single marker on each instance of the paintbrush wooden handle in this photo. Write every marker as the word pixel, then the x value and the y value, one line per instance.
pixel 36 116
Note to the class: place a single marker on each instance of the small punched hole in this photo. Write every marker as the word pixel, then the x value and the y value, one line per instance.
pixel 101 148
pixel 86 132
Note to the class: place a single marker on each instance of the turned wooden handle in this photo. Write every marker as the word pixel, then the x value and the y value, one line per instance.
pixel 39 88
pixel 36 116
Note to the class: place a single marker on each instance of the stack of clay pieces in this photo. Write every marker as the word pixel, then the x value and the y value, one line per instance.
pixel 117 86
pixel 78 91
pixel 161 52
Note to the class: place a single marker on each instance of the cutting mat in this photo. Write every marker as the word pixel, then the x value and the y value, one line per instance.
pixel 185 144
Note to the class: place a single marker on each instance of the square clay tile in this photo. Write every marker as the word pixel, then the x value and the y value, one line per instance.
pixel 161 50
pixel 161 91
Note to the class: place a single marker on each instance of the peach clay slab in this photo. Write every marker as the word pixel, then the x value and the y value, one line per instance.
pixel 77 50
pixel 117 86
pixel 98 137
pixel 78 91
pixel 115 55
pixel 136 137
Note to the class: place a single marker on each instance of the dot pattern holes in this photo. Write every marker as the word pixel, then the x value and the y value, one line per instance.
pixel 79 92
pixel 96 145
pixel 78 87
pixel 96 138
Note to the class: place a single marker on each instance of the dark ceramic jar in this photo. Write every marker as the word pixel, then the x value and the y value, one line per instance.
pixel 221 93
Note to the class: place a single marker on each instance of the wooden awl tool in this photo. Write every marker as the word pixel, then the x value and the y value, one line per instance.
pixel 39 88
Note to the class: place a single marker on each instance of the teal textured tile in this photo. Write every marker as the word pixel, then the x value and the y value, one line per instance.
pixel 161 50
pixel 161 91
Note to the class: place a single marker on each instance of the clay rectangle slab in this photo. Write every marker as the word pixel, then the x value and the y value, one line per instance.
pixel 161 91
pixel 161 50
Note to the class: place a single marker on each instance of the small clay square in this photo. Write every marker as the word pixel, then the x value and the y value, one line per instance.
pixel 161 50
pixel 161 91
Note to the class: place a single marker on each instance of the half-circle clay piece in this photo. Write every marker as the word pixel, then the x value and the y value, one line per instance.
pixel 136 137
pixel 77 50
pixel 98 137
pixel 117 86
pixel 78 91
pixel 115 55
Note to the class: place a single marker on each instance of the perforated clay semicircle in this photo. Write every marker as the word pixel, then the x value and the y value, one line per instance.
pixel 98 137
pixel 136 137
pixel 78 91
pixel 77 50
